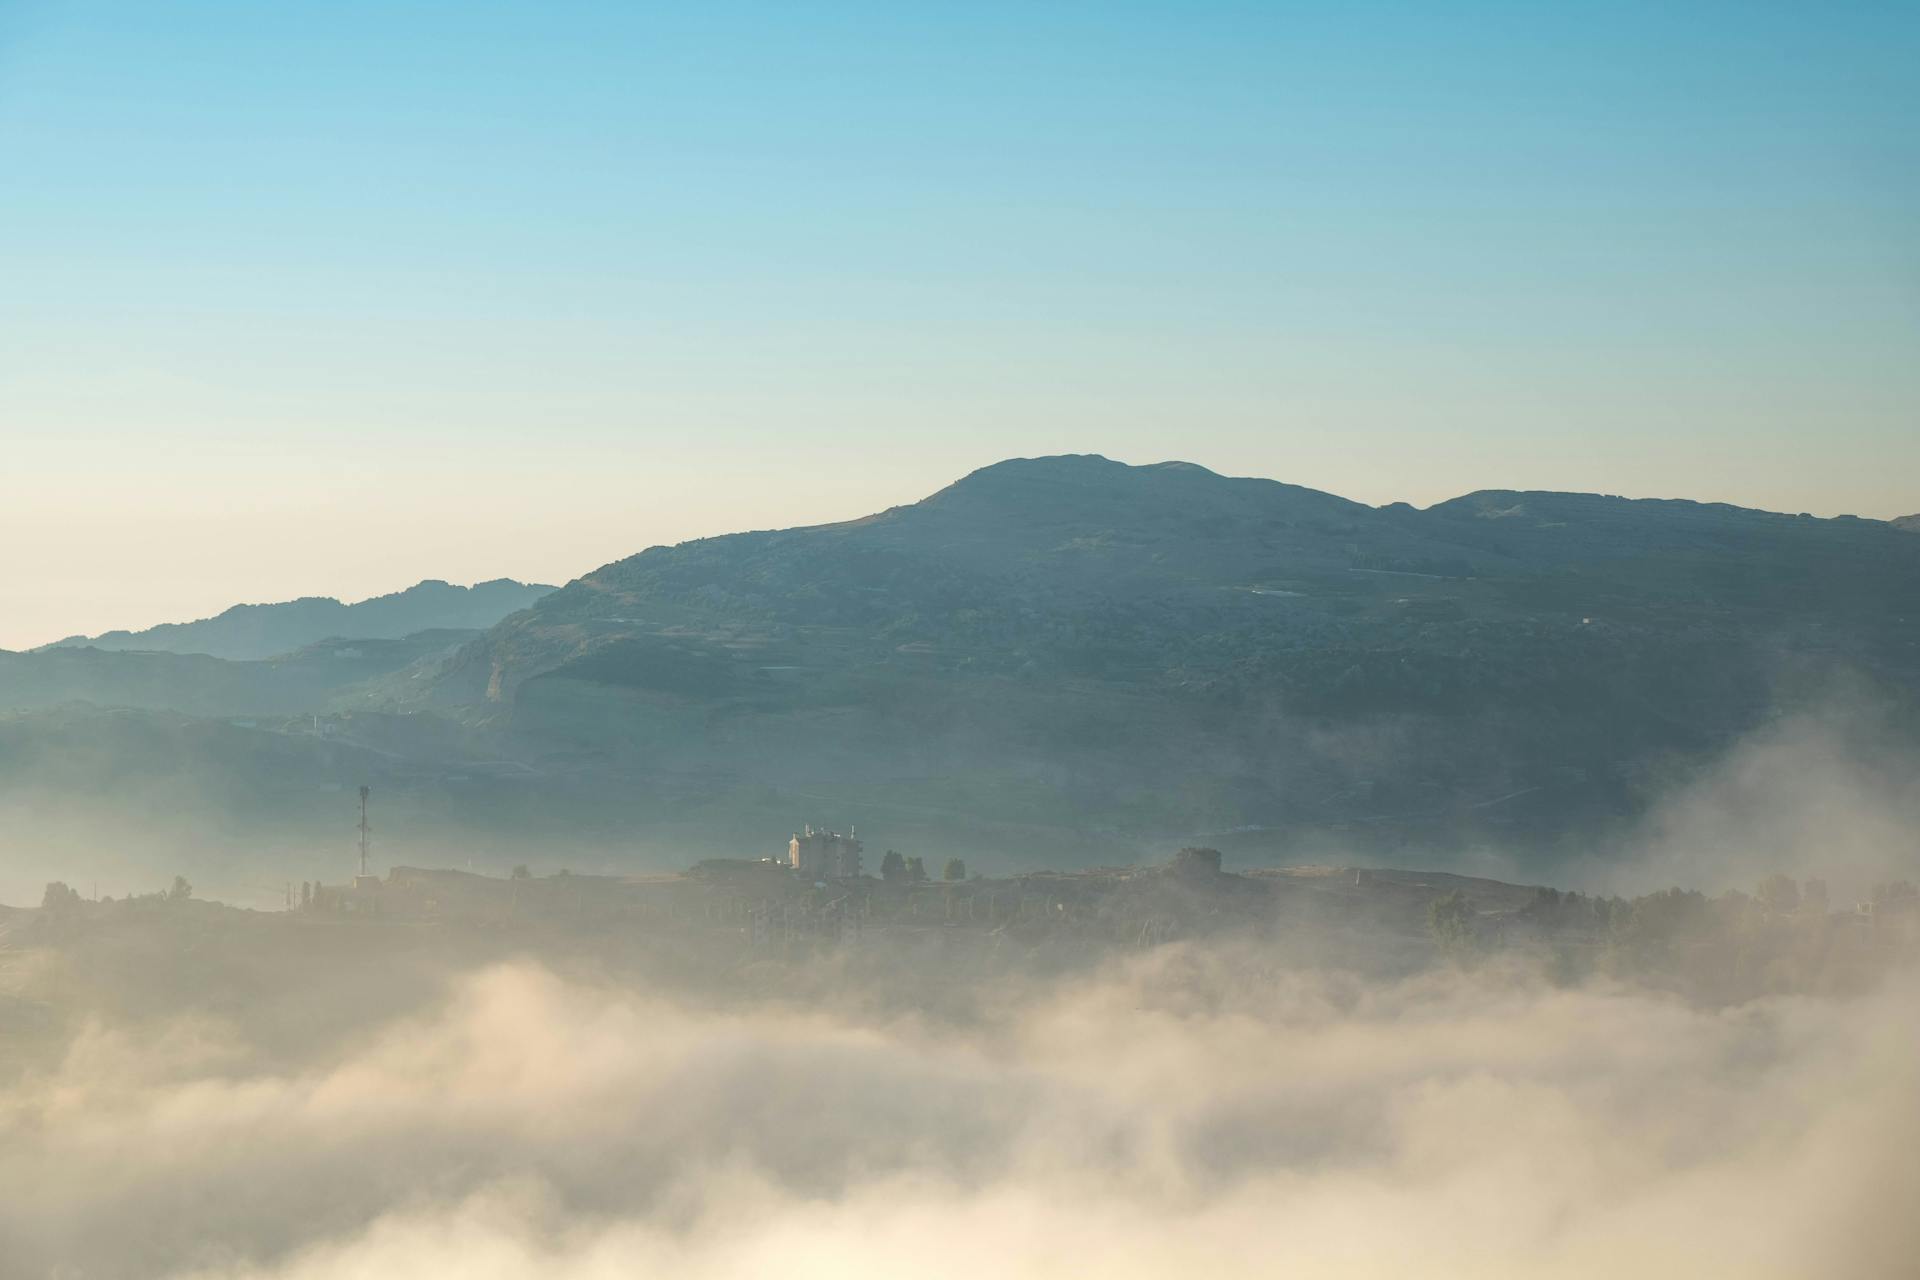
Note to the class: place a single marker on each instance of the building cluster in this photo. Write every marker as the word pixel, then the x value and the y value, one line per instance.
pixel 824 855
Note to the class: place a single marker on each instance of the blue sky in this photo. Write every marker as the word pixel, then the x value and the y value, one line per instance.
pixel 323 298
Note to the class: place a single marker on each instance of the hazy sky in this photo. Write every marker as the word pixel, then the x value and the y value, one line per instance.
pixel 329 297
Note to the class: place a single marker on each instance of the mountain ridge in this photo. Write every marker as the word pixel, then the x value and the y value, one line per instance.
pixel 1167 649
pixel 252 632
pixel 1073 658
pixel 1174 525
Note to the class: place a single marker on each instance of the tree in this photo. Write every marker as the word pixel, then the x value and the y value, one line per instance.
pixel 956 869
pixel 1653 924
pixel 1813 895
pixel 1197 862
pixel 1450 918
pixel 1898 891
pixel 59 898
pixel 893 868
pixel 917 869
pixel 306 895
pixel 1779 894
pixel 181 890
pixel 521 873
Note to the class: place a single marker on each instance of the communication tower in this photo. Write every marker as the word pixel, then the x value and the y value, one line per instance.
pixel 366 832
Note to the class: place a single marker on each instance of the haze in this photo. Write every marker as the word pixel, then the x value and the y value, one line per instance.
pixel 732 639
pixel 327 299
pixel 1125 1072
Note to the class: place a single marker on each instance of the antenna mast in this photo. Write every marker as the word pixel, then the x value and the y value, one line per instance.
pixel 366 832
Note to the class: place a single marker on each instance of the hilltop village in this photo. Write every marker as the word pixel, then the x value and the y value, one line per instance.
pixel 812 922
pixel 818 896
pixel 819 891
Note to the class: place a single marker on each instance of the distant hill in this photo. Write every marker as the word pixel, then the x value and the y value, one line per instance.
pixel 1065 660
pixel 1074 641
pixel 1908 524
pixel 312 679
pixel 1069 567
pixel 254 631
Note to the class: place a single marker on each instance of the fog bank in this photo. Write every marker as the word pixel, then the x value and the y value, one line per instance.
pixel 1191 1109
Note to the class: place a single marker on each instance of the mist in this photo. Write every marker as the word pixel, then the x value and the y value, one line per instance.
pixel 1024 707
pixel 1307 1090
pixel 1832 792
pixel 1193 1107
pixel 1157 1069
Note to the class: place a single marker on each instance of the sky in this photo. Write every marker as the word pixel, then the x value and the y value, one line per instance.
pixel 325 298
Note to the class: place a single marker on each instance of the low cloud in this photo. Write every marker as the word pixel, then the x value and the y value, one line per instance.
pixel 1194 1109
pixel 1833 793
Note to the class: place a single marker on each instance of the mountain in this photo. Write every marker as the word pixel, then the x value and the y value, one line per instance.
pixel 312 679
pixel 1065 660
pixel 254 631
pixel 1907 524
pixel 1074 643
pixel 1080 566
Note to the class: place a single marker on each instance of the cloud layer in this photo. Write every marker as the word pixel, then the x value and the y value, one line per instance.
pixel 1194 1109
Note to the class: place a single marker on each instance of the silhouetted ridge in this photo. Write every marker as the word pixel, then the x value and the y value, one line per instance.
pixel 254 631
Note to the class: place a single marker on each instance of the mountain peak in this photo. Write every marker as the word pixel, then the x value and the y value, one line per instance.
pixel 1084 467
pixel 1058 466
pixel 1089 485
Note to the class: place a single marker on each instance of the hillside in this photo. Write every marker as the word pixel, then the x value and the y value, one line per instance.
pixel 245 802
pixel 254 631
pixel 1067 565
pixel 312 679
pixel 1055 659
pixel 1076 643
